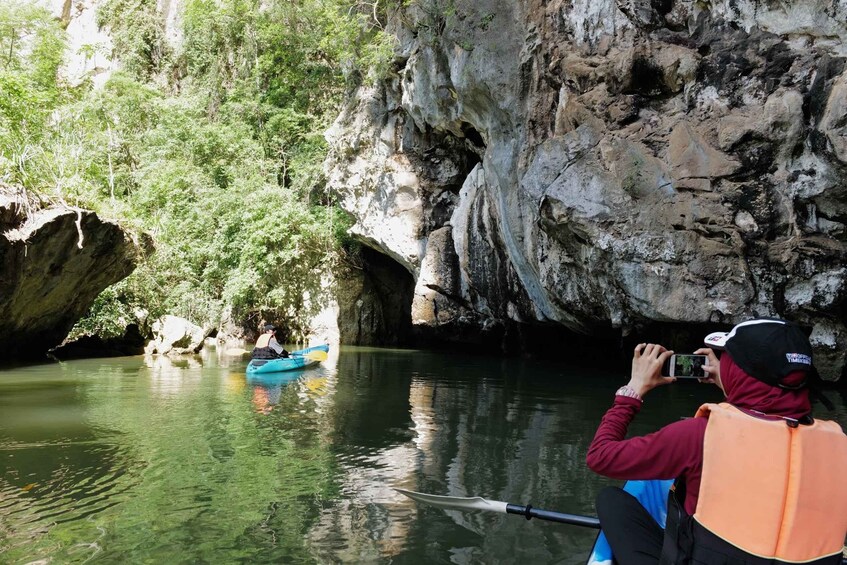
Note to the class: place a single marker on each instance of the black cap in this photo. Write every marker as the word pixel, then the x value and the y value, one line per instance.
pixel 269 327
pixel 767 349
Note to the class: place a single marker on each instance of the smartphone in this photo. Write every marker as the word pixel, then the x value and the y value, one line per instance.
pixel 685 366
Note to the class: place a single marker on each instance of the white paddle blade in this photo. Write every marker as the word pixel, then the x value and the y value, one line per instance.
pixel 456 502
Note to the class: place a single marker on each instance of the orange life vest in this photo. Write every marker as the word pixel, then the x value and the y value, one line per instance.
pixel 264 340
pixel 771 489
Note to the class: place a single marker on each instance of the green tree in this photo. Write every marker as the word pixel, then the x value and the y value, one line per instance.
pixel 31 46
pixel 138 34
pixel 213 149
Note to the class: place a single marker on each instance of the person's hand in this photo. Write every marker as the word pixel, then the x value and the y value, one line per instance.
pixel 712 368
pixel 647 361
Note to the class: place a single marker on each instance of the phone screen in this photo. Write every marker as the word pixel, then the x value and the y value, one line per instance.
pixel 687 366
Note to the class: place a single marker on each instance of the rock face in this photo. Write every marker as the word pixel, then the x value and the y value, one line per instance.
pixel 89 52
pixel 176 336
pixel 53 264
pixel 603 165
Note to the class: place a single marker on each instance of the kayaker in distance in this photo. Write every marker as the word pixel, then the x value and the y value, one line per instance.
pixel 758 480
pixel 267 346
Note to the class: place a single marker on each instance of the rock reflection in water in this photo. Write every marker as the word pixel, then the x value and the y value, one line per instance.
pixel 192 461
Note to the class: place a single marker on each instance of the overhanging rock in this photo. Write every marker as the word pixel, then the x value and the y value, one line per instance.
pixel 54 261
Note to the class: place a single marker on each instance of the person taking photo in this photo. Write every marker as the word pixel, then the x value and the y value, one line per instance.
pixel 758 480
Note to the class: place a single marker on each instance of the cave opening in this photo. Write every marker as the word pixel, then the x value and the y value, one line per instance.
pixel 646 78
pixel 663 7
pixel 476 143
pixel 381 312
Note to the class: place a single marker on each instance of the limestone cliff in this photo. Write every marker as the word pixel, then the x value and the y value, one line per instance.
pixel 54 261
pixel 89 52
pixel 604 164
pixel 90 47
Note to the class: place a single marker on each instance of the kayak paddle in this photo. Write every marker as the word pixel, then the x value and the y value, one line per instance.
pixel 318 355
pixel 478 503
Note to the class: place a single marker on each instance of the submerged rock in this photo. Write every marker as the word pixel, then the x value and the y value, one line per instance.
pixel 607 165
pixel 54 261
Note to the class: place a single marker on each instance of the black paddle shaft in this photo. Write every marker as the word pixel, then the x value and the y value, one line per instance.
pixel 586 521
pixel 529 512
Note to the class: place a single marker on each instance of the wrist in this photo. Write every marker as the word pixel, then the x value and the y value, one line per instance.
pixel 630 392
pixel 638 387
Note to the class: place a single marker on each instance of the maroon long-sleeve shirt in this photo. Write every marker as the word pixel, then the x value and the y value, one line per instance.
pixel 676 450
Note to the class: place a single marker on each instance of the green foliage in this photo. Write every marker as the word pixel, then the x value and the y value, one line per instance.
pixel 110 314
pixel 486 21
pixel 31 45
pixel 31 41
pixel 214 150
pixel 138 35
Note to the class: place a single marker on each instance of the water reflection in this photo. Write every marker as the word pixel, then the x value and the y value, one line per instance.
pixel 267 390
pixel 169 375
pixel 150 459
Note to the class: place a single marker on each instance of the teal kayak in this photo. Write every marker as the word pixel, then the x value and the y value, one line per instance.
pixel 298 360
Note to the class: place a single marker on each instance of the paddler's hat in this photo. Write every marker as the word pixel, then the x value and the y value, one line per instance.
pixel 767 349
pixel 269 327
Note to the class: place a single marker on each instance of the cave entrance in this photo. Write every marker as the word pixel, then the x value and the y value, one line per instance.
pixel 380 313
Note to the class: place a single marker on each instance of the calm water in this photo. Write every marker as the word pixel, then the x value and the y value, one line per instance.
pixel 155 461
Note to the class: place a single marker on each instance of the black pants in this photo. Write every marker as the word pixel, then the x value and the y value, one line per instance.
pixel 634 535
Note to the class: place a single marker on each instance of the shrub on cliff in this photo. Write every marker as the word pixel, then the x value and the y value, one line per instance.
pixel 212 146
